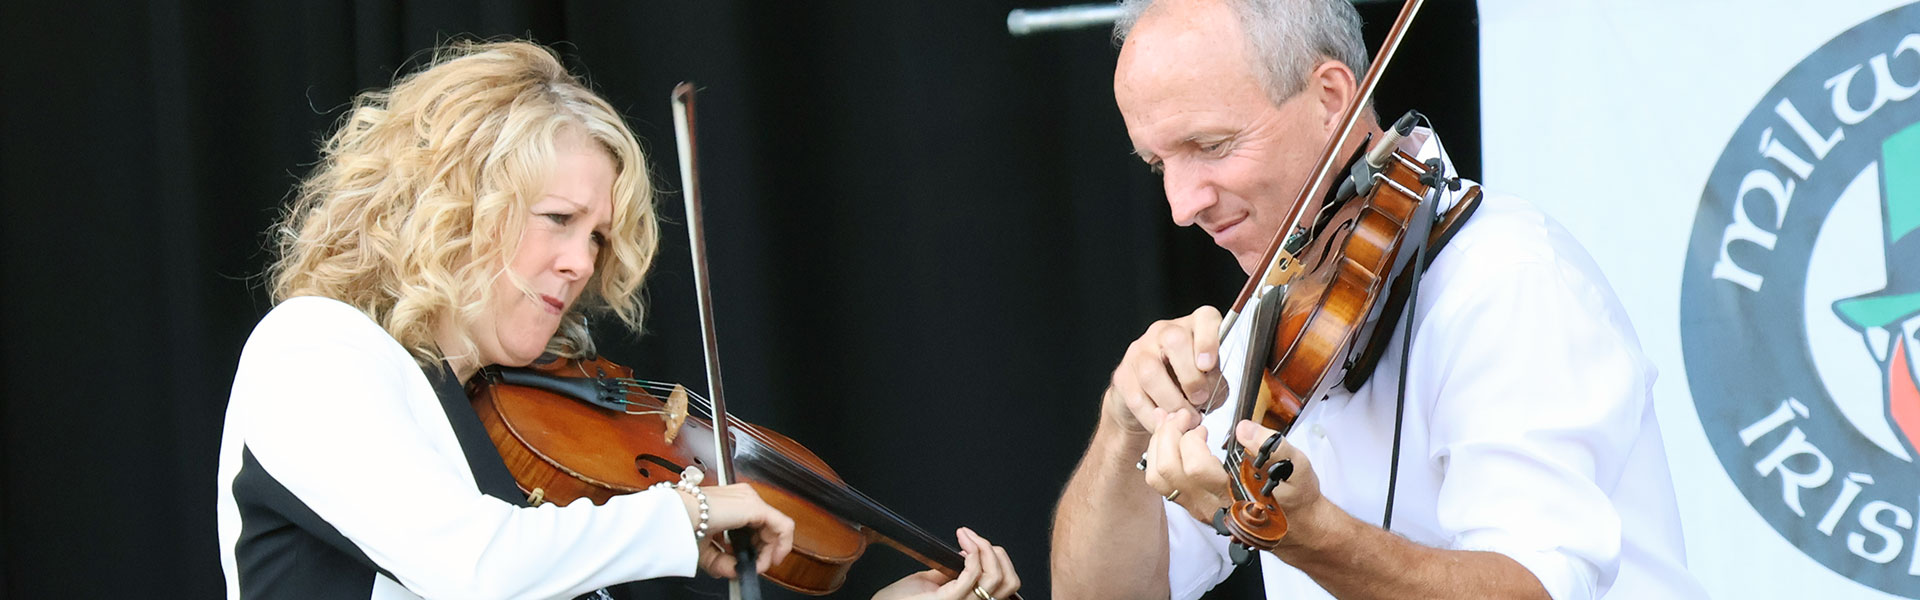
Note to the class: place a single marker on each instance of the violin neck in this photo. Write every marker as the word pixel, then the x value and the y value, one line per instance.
pixel 850 505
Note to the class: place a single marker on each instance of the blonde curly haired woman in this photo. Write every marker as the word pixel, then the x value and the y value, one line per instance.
pixel 474 214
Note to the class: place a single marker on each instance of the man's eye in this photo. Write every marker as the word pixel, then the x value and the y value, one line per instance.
pixel 1213 148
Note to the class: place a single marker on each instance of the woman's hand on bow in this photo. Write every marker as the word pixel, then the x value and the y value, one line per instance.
pixel 732 507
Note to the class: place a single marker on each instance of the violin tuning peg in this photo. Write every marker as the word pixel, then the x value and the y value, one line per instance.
pixel 1278 473
pixel 1240 554
pixel 1220 522
pixel 1266 450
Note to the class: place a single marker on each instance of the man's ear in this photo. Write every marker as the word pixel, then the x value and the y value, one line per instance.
pixel 1335 86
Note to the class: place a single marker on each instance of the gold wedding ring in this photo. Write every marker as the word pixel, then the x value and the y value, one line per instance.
pixel 982 594
pixel 1175 494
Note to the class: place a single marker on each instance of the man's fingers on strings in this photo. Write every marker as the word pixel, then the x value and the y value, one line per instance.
pixel 1197 388
pixel 1193 450
pixel 1145 413
pixel 1165 473
pixel 1176 345
pixel 1157 382
pixel 1155 460
pixel 1206 337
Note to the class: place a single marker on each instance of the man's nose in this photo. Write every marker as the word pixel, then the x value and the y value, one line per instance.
pixel 1188 195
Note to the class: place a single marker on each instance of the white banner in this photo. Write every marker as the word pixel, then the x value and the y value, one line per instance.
pixel 1747 172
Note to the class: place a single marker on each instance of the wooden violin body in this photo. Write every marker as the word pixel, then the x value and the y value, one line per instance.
pixel 1325 326
pixel 561 449
pixel 1332 323
pixel 572 429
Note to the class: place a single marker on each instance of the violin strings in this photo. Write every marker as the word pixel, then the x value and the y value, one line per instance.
pixel 699 406
pixel 780 465
pixel 1234 458
pixel 1215 400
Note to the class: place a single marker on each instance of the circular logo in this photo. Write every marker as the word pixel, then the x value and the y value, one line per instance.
pixel 1801 304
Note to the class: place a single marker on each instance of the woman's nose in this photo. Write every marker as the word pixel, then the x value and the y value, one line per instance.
pixel 577 261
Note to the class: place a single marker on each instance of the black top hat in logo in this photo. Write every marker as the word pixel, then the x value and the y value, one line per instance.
pixel 1900 209
pixel 1882 314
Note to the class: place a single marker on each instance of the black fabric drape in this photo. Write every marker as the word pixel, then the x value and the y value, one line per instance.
pixel 930 242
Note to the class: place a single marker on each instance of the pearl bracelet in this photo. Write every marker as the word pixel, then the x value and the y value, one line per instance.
pixel 689 483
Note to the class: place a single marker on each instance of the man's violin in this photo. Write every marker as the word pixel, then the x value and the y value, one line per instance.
pixel 1332 288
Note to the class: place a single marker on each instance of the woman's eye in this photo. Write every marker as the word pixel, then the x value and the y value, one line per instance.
pixel 558 218
pixel 599 240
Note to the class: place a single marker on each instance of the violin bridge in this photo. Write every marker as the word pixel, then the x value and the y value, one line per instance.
pixel 1285 268
pixel 676 411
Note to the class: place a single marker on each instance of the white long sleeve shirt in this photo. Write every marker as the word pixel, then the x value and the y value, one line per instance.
pixel 1530 429
pixel 341 476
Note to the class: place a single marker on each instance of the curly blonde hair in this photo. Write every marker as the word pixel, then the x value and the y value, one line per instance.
pixel 419 197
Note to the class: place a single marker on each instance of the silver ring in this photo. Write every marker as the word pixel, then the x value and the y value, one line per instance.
pixel 1170 497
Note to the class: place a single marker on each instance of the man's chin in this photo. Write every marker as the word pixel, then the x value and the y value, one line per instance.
pixel 1249 264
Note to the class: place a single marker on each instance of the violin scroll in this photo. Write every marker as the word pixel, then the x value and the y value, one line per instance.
pixel 1254 521
pixel 1254 524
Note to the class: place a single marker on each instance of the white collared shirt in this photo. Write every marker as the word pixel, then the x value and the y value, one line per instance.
pixel 1529 427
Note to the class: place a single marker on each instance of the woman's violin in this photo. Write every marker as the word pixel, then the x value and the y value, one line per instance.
pixel 587 428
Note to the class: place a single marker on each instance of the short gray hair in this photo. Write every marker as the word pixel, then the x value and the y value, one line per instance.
pixel 1289 37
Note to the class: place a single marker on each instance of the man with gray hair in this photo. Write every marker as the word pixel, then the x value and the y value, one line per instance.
pixel 1531 463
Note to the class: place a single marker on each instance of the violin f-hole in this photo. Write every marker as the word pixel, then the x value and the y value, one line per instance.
pixel 640 463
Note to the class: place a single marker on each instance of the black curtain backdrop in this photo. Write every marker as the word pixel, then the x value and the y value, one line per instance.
pixel 929 240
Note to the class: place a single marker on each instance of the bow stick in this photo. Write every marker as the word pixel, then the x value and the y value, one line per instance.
pixel 747 584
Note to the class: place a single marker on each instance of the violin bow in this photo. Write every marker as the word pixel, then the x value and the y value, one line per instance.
pixel 747 584
pixel 1278 268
